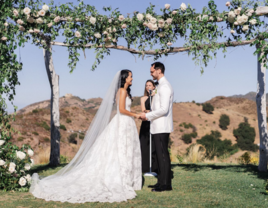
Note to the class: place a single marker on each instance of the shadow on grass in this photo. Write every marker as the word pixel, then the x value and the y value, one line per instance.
pixel 252 169
pixel 40 168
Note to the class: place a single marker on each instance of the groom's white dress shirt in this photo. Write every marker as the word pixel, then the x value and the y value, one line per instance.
pixel 161 117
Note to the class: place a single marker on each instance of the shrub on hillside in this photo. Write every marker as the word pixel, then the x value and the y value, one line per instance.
pixel 35 133
pixel 224 121
pixel 44 125
pixel 35 111
pixel 187 138
pixel 72 138
pixel 208 108
pixel 62 127
pixel 68 120
pixel 245 136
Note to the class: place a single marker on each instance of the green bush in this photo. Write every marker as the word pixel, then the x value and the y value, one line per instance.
pixel 215 146
pixel 81 136
pixel 208 108
pixel 185 125
pixel 72 138
pixel 68 120
pixel 21 139
pixel 44 125
pixel 46 139
pixel 245 136
pixel 64 159
pixel 244 159
pixel 187 138
pixel 62 127
pixel 35 111
pixel 35 133
pixel 224 121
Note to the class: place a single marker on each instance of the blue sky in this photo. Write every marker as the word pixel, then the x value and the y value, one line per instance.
pixel 235 74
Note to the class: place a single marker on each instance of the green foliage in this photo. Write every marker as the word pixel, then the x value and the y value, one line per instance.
pixel 208 108
pixel 63 127
pixel 72 138
pixel 44 125
pixel 35 133
pixel 244 159
pixel 215 146
pixel 187 138
pixel 35 111
pixel 245 136
pixel 224 121
pixel 81 136
pixel 21 139
pixel 68 120
pixel 46 139
pixel 186 126
pixel 64 159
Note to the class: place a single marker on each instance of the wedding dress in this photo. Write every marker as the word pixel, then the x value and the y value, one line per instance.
pixel 107 167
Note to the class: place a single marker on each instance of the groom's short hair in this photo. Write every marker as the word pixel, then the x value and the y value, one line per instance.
pixel 159 65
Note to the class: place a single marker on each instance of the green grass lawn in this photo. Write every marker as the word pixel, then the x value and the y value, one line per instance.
pixel 194 185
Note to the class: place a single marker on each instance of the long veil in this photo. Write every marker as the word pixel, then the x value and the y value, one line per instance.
pixel 106 111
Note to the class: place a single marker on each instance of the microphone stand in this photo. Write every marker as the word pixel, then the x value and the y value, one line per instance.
pixel 150 173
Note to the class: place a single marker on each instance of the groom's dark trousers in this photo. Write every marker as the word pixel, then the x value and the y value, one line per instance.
pixel 163 158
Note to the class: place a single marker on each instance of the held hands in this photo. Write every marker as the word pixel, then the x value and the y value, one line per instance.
pixel 141 116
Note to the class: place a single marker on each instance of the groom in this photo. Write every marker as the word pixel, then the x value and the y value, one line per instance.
pixel 161 126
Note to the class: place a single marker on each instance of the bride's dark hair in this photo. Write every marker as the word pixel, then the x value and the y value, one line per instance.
pixel 123 76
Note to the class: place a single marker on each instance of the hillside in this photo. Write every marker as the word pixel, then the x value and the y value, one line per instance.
pixel 76 115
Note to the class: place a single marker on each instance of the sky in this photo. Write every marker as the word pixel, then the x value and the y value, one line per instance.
pixel 235 74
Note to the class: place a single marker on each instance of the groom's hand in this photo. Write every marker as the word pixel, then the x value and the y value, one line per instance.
pixel 143 116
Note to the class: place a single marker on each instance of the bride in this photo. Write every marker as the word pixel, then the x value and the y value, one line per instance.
pixel 107 167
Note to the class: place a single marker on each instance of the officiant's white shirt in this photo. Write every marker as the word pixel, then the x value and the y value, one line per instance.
pixel 161 115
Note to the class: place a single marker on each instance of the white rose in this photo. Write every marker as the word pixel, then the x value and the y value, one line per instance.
pixel 27 166
pixel 2 162
pixel 77 34
pixel 105 33
pixel 167 6
pixel 20 22
pixel 161 34
pixel 253 22
pixel 251 11
pixel 145 24
pixel 6 24
pixel 153 20
pixel 20 155
pixel 211 19
pixel 169 43
pixel 114 30
pixel 161 23
pixel 30 152
pixel 28 177
pixel 109 29
pixel 174 12
pixel 153 26
pixel 22 181
pixel 242 19
pixel 42 12
pixel 45 7
pixel 169 21
pixel 57 19
pixel 15 12
pixel 148 16
pixel 219 19
pixel 249 14
pixel 239 8
pixel 237 11
pixel 121 18
pixel 30 20
pixel 2 141
pixel 228 3
pixel 30 31
pixel 183 7
pixel 11 169
pixel 50 24
pixel 39 20
pixel 92 20
pixel 97 35
pixel 232 32
pixel 36 31
pixel 231 17
pixel 32 162
pixel 124 26
pixel 140 17
pixel 245 28
pixel 12 165
pixel 235 23
pixel 110 20
pixel 21 28
pixel 27 11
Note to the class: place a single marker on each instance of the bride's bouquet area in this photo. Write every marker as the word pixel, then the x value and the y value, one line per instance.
pixel 15 164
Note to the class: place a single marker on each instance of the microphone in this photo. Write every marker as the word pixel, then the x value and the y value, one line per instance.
pixel 150 92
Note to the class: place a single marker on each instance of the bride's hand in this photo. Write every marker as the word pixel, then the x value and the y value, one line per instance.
pixel 138 116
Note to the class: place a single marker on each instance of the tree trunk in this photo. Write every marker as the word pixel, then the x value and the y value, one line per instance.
pixel 54 109
pixel 261 110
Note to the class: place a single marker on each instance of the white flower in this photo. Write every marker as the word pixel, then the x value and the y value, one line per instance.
pixel 20 22
pixel 161 23
pixel 145 24
pixel 92 20
pixel 6 24
pixel 77 34
pixel 20 155
pixel 57 19
pixel 109 29
pixel 124 26
pixel 97 35
pixel 28 177
pixel 27 166
pixel 228 3
pixel 2 162
pixel 21 28
pixel 235 23
pixel 148 16
pixel 237 11
pixel 42 12
pixel 30 31
pixel 169 21
pixel 167 6
pixel 239 8
pixel 183 7
pixel 152 26
pixel 242 19
pixel 232 32
pixel 245 28
pixel 114 30
pixel 251 11
pixel 169 43
pixel 12 165
pixel 32 162
pixel 30 152
pixel 249 14
pixel 161 34
pixel 153 20
pixel 211 18
pixel 50 24
pixel 105 33
pixel 219 19
pixel 140 17
pixel 45 7
pixel 253 21
pixel 11 169
pixel 2 141
pixel 174 12
pixel 39 20
pixel 27 11
pixel 231 17
pixel 114 40
pixel 30 20
pixel 15 12
pixel 36 30
pixel 22 181
pixel 110 20
pixel 121 18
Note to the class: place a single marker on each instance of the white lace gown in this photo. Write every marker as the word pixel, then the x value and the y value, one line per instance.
pixel 110 172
